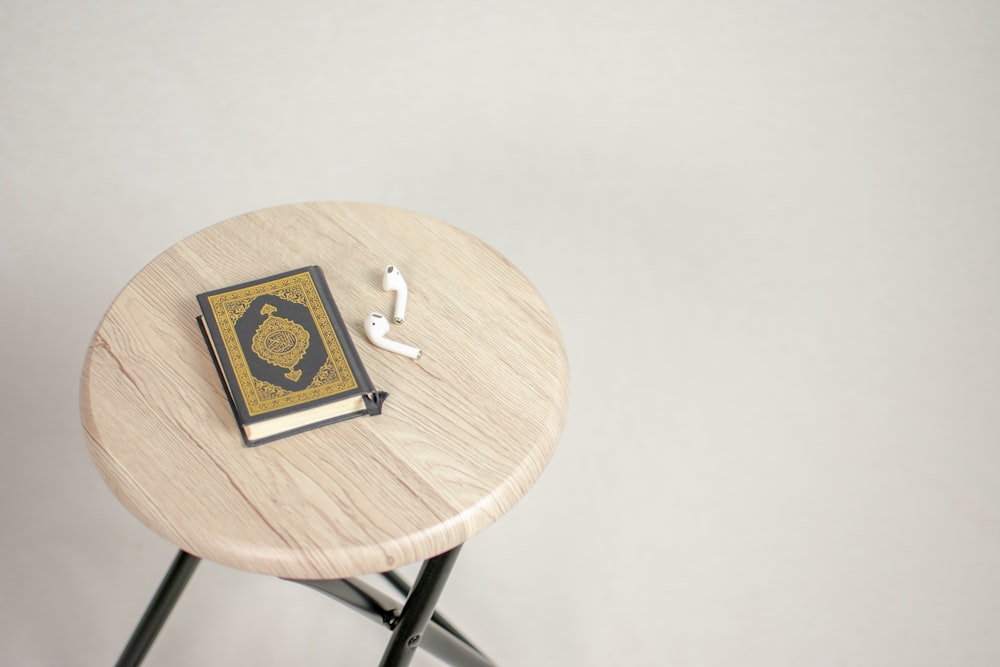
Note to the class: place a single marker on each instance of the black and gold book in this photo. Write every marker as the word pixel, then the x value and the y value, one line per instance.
pixel 285 357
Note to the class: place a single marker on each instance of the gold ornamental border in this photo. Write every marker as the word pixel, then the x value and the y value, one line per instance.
pixel 228 307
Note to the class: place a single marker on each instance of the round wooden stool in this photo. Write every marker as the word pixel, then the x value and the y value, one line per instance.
pixel 465 432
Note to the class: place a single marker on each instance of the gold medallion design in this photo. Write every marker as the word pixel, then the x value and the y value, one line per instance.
pixel 260 396
pixel 280 342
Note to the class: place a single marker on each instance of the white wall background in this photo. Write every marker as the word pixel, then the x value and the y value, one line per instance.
pixel 770 232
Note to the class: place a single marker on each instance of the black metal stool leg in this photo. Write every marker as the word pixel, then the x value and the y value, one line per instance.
pixel 437 619
pixel 159 609
pixel 418 609
pixel 417 624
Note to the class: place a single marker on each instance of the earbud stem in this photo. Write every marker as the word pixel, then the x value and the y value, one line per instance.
pixel 398 348
pixel 399 311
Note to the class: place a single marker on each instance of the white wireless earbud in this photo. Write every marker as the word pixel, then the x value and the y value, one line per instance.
pixel 392 281
pixel 376 327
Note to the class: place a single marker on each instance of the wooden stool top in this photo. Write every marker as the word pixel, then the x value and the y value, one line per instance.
pixel 466 430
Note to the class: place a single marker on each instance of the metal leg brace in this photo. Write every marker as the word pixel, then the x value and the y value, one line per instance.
pixel 417 624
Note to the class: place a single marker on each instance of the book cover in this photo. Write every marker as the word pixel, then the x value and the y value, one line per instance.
pixel 284 355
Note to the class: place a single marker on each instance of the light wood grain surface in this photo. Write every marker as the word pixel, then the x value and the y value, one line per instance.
pixel 465 432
